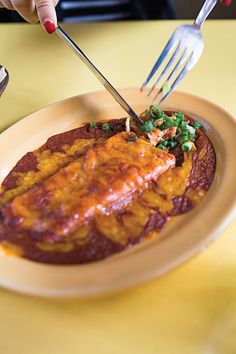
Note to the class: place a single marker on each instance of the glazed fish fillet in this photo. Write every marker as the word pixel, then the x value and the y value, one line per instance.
pixel 77 193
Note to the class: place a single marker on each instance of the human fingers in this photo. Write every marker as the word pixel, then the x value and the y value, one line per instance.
pixel 47 14
pixel 26 8
pixel 7 4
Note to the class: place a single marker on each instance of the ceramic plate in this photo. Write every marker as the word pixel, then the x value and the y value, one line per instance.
pixel 188 235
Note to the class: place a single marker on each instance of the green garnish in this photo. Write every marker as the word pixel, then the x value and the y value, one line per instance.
pixel 179 116
pixel 197 125
pixel 106 127
pixel 93 125
pixel 148 126
pixel 184 124
pixel 172 144
pixel 184 132
pixel 155 112
pixel 162 147
pixel 168 123
pixel 158 122
pixel 187 147
pixel 164 142
pixel 132 138
pixel 191 129
pixel 165 88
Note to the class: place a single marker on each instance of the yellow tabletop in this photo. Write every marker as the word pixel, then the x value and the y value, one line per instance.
pixel 193 308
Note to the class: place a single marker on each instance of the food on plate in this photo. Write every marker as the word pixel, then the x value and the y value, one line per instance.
pixel 91 192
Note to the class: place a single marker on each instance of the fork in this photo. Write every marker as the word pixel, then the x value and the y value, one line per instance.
pixel 186 46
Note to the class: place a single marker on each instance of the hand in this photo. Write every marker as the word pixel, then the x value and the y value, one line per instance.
pixel 34 11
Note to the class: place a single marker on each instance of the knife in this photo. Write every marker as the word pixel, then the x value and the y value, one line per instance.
pixel 108 86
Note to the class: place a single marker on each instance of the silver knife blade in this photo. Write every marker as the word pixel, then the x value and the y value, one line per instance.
pixel 108 86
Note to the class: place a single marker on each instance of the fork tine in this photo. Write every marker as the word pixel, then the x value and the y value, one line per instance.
pixel 174 56
pixel 177 81
pixel 181 60
pixel 168 48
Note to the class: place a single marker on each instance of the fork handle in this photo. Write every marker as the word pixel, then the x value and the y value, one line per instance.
pixel 205 11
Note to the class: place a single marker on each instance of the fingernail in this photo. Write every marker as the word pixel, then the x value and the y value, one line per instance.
pixel 227 2
pixel 49 26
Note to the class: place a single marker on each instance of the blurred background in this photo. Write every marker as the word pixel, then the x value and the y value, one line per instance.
pixel 115 10
pixel 190 10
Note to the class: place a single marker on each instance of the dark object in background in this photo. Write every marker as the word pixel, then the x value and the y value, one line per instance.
pixel 78 11
pixel 10 16
pixel 153 9
pixel 100 10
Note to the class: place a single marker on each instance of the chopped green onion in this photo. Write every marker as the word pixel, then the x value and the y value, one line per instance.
pixel 184 124
pixel 162 147
pixel 158 122
pixel 165 88
pixel 168 123
pixel 185 131
pixel 164 142
pixel 187 147
pixel 172 144
pixel 106 127
pixel 132 138
pixel 183 139
pixel 93 125
pixel 180 116
pixel 192 137
pixel 197 125
pixel 155 112
pixel 148 126
pixel 191 129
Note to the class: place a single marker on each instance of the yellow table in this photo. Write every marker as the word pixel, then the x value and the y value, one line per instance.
pixel 192 309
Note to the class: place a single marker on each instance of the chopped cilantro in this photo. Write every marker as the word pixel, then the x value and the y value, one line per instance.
pixel 93 125
pixel 106 127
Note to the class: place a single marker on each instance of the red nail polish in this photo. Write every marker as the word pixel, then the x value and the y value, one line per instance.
pixel 49 26
pixel 227 2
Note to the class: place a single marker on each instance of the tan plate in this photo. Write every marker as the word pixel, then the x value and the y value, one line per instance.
pixel 184 238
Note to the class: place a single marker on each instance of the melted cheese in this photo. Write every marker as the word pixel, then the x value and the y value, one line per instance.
pixel 48 163
pixel 196 196
pixel 153 199
pixel 77 193
pixel 9 249
pixel 174 182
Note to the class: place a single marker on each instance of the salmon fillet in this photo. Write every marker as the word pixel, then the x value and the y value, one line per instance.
pixel 77 193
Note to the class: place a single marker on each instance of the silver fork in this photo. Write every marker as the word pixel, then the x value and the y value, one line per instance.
pixel 186 46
